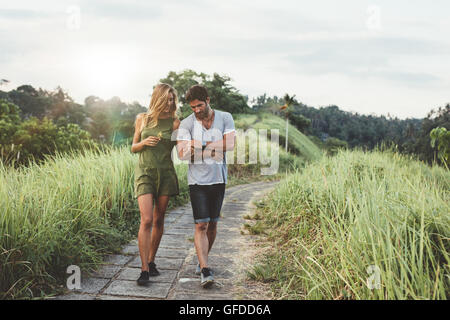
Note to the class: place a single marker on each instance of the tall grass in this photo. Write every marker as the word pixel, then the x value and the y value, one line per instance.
pixel 75 208
pixel 69 210
pixel 341 215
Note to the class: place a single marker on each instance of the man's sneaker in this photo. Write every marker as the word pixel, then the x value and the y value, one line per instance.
pixel 152 271
pixel 143 279
pixel 207 278
pixel 198 270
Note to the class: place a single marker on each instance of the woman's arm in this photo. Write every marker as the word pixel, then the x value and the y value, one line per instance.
pixel 137 145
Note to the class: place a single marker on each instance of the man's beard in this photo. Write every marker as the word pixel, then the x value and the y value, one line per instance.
pixel 204 115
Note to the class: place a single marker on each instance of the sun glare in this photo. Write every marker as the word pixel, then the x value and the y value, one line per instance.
pixel 106 72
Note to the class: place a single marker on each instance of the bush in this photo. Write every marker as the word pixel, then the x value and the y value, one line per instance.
pixel 34 139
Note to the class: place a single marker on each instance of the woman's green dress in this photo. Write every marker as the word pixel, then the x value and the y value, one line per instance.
pixel 155 173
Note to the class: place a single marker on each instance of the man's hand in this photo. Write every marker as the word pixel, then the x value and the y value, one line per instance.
pixel 196 150
pixel 213 153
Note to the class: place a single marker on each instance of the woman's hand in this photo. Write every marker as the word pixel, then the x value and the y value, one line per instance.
pixel 151 141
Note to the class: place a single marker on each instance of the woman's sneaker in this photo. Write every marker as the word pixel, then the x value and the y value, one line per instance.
pixel 207 278
pixel 143 279
pixel 152 271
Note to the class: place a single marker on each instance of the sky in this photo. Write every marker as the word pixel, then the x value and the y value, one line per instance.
pixel 374 57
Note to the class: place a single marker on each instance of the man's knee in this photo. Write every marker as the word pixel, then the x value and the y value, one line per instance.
pixel 212 226
pixel 201 226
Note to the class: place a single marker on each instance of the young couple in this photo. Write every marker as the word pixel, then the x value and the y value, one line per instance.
pixel 202 138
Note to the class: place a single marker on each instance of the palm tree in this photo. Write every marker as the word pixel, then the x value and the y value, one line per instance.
pixel 288 102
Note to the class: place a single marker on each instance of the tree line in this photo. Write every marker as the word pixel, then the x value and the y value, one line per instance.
pixel 334 127
pixel 37 122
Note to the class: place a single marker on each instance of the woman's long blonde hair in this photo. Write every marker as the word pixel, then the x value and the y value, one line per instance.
pixel 158 102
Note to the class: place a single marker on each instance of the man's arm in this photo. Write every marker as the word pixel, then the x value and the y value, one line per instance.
pixel 226 144
pixel 187 149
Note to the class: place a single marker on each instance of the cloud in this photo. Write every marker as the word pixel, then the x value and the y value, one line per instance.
pixel 263 45
pixel 123 10
pixel 21 14
pixel 363 58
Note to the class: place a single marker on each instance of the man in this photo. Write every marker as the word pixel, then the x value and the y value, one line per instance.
pixel 203 138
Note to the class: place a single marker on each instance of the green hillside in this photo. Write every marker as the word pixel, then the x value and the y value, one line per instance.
pixel 298 143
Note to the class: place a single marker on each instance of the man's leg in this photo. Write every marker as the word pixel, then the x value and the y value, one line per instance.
pixel 201 243
pixel 215 201
pixel 211 234
pixel 200 209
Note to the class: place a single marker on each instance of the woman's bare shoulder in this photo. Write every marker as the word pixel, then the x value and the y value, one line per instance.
pixel 140 115
pixel 176 123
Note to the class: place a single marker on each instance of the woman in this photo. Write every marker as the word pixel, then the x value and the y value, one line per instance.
pixel 155 176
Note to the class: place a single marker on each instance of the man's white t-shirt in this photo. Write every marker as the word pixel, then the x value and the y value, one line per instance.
pixel 208 171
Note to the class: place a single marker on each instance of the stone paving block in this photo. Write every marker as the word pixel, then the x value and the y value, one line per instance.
pixel 223 249
pixel 92 285
pixel 171 253
pixel 181 226
pixel 233 207
pixel 109 297
pixel 187 217
pixel 74 296
pixel 170 218
pixel 106 271
pixel 213 260
pixel 177 212
pixel 182 295
pixel 237 202
pixel 185 232
pixel 184 225
pixel 134 273
pixel 130 249
pixel 192 285
pixel 130 288
pixel 229 224
pixel 117 259
pixel 218 271
pixel 172 242
pixel 161 263
pixel 179 236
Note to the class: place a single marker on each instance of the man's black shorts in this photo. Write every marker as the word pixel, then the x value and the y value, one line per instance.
pixel 206 201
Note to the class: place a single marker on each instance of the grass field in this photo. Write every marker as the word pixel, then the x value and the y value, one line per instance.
pixel 74 209
pixel 345 221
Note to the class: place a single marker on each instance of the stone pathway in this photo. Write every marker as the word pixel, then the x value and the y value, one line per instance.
pixel 176 258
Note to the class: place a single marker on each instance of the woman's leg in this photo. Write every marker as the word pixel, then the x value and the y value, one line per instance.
pixel 145 202
pixel 158 225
